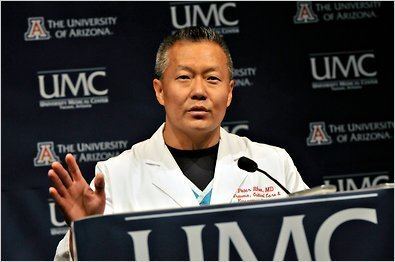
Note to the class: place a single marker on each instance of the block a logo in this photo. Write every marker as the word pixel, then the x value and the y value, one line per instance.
pixel 318 135
pixel 45 154
pixel 305 14
pixel 36 30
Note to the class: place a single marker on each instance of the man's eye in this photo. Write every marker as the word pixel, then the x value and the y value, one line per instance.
pixel 213 79
pixel 183 77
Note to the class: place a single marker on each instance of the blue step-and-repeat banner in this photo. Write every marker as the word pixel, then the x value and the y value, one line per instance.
pixel 316 78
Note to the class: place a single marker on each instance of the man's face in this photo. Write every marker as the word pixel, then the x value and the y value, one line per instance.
pixel 195 88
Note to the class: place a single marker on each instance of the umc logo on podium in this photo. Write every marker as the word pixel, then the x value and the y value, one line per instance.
pixel 36 30
pixel 292 230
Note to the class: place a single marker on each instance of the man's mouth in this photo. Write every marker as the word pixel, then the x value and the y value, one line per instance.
pixel 198 112
pixel 198 109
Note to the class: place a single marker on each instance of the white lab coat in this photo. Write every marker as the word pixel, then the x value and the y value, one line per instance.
pixel 146 177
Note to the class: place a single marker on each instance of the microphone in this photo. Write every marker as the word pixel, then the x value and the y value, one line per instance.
pixel 251 166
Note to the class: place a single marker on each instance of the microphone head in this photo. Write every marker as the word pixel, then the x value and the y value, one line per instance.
pixel 247 164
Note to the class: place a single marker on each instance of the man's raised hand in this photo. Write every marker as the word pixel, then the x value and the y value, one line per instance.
pixel 72 193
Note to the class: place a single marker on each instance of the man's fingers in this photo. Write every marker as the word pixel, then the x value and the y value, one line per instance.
pixel 57 197
pixel 73 167
pixel 61 202
pixel 99 184
pixel 60 188
pixel 62 174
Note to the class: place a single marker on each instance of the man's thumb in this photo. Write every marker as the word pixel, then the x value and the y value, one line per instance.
pixel 99 183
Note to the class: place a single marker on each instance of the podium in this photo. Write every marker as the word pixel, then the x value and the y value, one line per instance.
pixel 356 225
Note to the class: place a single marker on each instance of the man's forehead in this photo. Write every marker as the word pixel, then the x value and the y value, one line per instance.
pixel 185 44
pixel 205 56
pixel 188 42
pixel 202 50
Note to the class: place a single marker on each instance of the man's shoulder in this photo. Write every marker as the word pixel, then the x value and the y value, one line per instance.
pixel 254 147
pixel 129 156
pixel 138 153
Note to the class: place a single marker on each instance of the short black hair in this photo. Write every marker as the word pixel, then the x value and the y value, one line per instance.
pixel 194 34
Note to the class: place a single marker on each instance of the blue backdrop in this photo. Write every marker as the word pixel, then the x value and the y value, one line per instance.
pixel 315 78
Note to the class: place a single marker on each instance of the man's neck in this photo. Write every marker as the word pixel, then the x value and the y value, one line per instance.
pixel 199 140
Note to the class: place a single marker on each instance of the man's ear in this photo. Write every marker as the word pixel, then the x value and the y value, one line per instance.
pixel 230 94
pixel 158 87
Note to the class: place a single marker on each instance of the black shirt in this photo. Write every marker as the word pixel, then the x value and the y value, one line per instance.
pixel 197 165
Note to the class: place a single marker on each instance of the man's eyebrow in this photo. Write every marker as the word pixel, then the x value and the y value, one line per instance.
pixel 181 67
pixel 187 68
pixel 211 69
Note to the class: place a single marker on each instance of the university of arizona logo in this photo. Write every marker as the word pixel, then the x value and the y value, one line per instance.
pixel 305 14
pixel 36 30
pixel 45 154
pixel 318 135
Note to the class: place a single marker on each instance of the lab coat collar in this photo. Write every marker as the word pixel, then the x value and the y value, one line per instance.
pixel 170 179
pixel 167 176
pixel 228 176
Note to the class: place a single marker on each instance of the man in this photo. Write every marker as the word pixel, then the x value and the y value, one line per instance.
pixel 190 160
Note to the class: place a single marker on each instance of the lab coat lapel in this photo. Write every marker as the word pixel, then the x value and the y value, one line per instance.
pixel 167 175
pixel 228 176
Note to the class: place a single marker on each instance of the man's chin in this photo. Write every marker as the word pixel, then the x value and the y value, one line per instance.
pixel 201 125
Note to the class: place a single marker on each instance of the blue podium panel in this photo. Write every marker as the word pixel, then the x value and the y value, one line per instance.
pixel 357 225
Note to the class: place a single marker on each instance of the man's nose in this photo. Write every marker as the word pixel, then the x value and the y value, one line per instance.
pixel 198 91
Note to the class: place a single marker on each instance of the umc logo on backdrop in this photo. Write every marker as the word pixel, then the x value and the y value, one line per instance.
pixel 220 15
pixel 45 154
pixel 72 88
pixel 349 182
pixel 343 70
pixel 305 14
pixel 36 30
pixel 236 127
pixel 318 135
pixel 58 225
